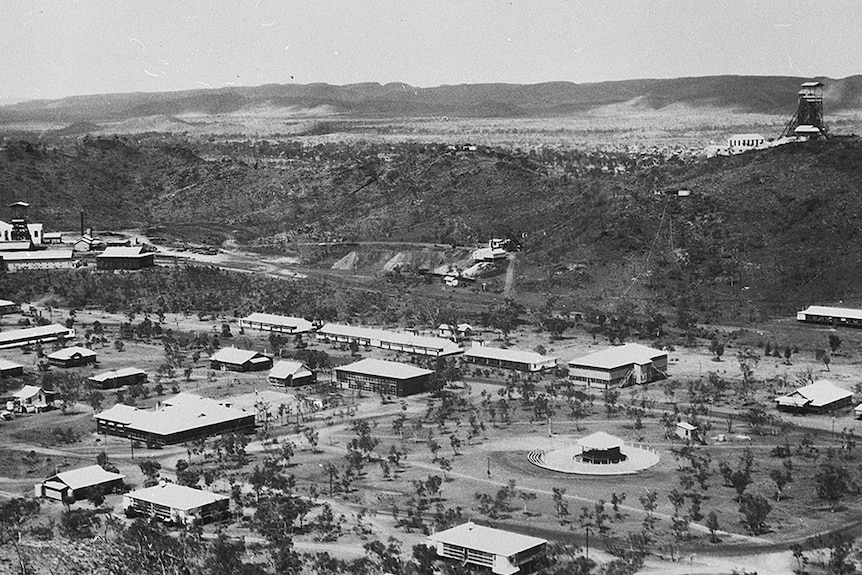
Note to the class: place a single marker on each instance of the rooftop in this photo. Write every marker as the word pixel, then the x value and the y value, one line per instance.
pixel 70 352
pixel 176 496
pixel 817 394
pixel 297 323
pixel 235 355
pixel 123 372
pixel 86 477
pixel 123 252
pixel 37 256
pixel 508 354
pixel 5 364
pixel 32 332
pixel 27 392
pixel 487 539
pixel 600 440
pixel 283 369
pixel 182 412
pixel 825 310
pixel 444 346
pixel 383 368
pixel 619 356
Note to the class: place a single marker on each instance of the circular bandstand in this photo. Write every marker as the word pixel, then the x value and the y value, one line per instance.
pixel 599 453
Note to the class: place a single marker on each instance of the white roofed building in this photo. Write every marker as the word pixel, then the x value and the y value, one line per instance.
pixel 37 260
pixel 291 374
pixel 125 258
pixel 394 341
pixel 276 323
pixel 10 368
pixel 33 335
pixel 118 378
pixel 8 306
pixel 509 359
pixel 234 359
pixel 385 377
pixel 72 356
pixel 177 504
pixel 176 419
pixel 619 366
pixel 837 316
pixel 818 397
pixel 78 484
pixel 503 552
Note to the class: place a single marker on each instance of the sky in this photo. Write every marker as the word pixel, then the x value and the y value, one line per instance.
pixel 57 48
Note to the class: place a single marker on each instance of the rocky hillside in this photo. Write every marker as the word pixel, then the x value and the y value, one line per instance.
pixel 763 232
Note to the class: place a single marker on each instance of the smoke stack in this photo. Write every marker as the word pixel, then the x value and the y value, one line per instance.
pixel 82 222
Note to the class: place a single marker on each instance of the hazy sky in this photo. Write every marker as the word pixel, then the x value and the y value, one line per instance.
pixel 56 48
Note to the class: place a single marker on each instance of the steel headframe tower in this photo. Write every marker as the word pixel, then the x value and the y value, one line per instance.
pixel 808 119
pixel 20 231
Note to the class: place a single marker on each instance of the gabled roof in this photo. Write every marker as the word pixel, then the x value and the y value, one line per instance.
pixel 176 496
pixel 6 365
pixel 619 356
pixel 508 354
pixel 686 425
pixel 600 440
pixel 382 368
pixel 86 477
pixel 284 369
pixel 444 346
pixel 123 252
pixel 487 539
pixel 27 392
pixel 235 356
pixel 37 256
pixel 69 352
pixel 123 372
pixel 32 332
pixel 182 412
pixel 829 311
pixel 298 324
pixel 818 394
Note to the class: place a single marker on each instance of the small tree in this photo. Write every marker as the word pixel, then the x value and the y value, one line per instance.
pixel 831 481
pixel 713 526
pixel 754 510
pixel 716 347
pixel 824 356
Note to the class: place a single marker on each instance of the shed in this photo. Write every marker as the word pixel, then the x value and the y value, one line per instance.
pixel 78 484
pixel 291 374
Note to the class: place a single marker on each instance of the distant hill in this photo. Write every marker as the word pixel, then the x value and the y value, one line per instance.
pixel 755 94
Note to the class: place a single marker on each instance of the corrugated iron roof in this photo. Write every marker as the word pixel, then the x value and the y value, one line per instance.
pixel 69 352
pixel 444 346
pixel 298 324
pixel 487 539
pixel 818 394
pixel 619 356
pixel 284 369
pixel 123 372
pixel 829 311
pixel 176 496
pixel 600 440
pixel 508 354
pixel 86 477
pixel 383 368
pixel 235 355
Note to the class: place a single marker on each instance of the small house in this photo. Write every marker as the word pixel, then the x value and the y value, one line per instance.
pixel 78 484
pixel 31 398
pixel 686 431
pixel 291 374
pixel 72 357
pixel 233 359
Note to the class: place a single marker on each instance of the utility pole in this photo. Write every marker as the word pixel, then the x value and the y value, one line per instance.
pixel 587 554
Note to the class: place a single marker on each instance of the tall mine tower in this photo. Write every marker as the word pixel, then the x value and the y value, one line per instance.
pixel 20 231
pixel 808 119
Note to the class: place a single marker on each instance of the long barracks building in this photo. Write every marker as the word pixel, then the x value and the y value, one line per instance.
pixel 391 340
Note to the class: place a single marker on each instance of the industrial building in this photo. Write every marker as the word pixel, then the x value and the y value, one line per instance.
pixel 837 316
pixel 385 377
pixel 619 366
pixel 179 504
pixel 291 374
pixel 502 552
pixel 234 359
pixel 74 356
pixel 19 230
pixel 34 335
pixel 78 484
pixel 37 260
pixel 818 397
pixel 394 341
pixel 276 323
pixel 513 359
pixel 118 378
pixel 183 417
pixel 125 258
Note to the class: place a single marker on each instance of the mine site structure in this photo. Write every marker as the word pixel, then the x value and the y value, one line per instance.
pixel 808 119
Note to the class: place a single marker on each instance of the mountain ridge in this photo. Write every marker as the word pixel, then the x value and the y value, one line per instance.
pixel 746 94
